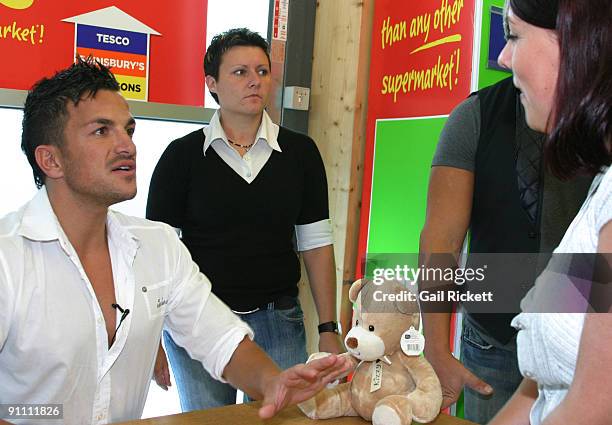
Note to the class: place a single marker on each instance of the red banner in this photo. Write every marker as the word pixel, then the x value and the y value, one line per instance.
pixel 421 66
pixel 36 41
pixel 421 57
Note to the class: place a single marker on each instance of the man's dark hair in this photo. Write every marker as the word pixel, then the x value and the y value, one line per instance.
pixel 581 120
pixel 45 113
pixel 223 42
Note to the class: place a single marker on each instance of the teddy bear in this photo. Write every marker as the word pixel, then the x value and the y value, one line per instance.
pixel 392 382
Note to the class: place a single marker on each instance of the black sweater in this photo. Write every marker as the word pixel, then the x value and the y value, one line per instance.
pixel 241 234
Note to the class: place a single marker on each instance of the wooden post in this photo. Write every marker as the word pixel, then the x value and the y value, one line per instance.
pixel 337 121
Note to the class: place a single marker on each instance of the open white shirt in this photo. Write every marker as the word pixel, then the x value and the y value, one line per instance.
pixel 308 236
pixel 53 339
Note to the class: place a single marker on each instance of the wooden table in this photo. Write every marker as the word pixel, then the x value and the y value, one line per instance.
pixel 246 414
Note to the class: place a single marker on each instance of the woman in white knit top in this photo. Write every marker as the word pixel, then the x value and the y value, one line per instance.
pixel 560 52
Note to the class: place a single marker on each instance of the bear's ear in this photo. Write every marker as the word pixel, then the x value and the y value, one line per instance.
pixel 355 288
pixel 405 306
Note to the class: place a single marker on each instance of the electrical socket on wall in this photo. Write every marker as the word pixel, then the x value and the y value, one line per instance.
pixel 296 98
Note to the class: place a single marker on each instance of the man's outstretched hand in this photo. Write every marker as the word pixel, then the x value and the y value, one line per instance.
pixel 301 382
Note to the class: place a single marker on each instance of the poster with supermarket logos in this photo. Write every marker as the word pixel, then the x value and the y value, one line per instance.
pixel 118 41
pixel 155 52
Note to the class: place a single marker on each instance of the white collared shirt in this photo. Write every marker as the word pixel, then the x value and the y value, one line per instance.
pixel 53 338
pixel 308 236
pixel 249 165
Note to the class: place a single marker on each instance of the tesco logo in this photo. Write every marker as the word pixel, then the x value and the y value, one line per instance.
pixel 112 39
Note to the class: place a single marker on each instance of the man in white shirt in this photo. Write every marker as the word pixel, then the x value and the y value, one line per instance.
pixel 87 291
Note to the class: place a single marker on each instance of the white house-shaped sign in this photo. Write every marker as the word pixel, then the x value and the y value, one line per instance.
pixel 118 41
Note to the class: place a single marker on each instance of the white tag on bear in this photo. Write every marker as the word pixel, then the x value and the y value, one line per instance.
pixel 412 343
pixel 377 371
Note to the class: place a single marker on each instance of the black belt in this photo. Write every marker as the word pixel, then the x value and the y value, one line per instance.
pixel 283 303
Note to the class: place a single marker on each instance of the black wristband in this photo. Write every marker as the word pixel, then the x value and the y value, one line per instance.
pixel 328 327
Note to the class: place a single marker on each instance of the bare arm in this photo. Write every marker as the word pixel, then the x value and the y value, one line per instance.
pixel 449 207
pixel 588 386
pixel 320 266
pixel 516 410
pixel 594 356
pixel 346 310
pixel 251 370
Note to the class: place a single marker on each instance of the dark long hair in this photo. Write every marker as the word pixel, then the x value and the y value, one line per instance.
pixel 582 117
pixel 540 13
pixel 580 140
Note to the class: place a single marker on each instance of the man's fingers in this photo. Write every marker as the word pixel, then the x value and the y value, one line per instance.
pixel 301 382
pixel 162 384
pixel 302 373
pixel 302 376
pixel 323 370
pixel 339 368
pixel 450 396
pixel 268 408
pixel 162 376
pixel 317 368
pixel 455 379
pixel 165 376
pixel 342 370
pixel 161 371
pixel 267 411
pixel 323 363
pixel 166 379
pixel 275 399
pixel 448 400
pixel 478 385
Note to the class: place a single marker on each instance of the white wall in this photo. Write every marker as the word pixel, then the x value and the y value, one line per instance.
pixel 16 181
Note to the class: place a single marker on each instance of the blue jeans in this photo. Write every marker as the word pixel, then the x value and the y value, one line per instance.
pixel 495 364
pixel 280 333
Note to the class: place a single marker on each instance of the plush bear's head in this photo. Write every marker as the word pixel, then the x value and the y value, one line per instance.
pixel 382 314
